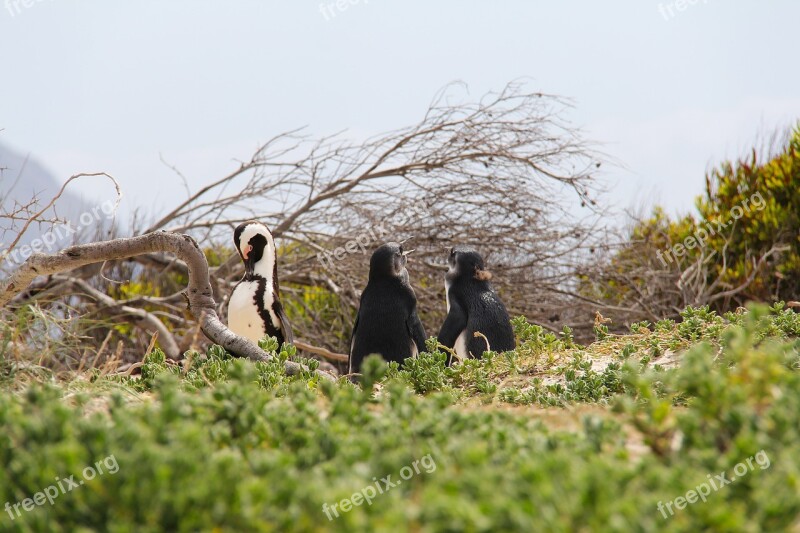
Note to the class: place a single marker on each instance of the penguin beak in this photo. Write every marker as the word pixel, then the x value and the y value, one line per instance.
pixel 249 261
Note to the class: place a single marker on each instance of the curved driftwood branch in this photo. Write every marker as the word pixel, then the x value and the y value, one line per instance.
pixel 198 293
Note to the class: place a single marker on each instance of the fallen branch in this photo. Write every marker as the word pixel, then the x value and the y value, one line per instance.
pixel 198 293
pixel 152 323
pixel 327 354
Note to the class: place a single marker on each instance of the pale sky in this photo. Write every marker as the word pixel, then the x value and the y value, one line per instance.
pixel 109 85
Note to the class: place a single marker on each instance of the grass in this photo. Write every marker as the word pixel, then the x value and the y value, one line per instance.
pixel 553 436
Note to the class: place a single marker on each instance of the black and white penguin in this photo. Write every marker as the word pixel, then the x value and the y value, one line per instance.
pixel 254 308
pixel 387 321
pixel 473 306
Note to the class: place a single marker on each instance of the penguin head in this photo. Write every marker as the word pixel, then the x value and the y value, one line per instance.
pixel 389 260
pixel 256 247
pixel 466 262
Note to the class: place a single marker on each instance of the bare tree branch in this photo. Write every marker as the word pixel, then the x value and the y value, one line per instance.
pixel 112 306
pixel 198 293
pixel 35 217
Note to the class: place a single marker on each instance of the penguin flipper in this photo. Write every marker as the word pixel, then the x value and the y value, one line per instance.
pixel 416 330
pixel 286 327
pixel 352 344
pixel 454 325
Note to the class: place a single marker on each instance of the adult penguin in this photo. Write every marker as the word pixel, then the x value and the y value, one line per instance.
pixel 387 323
pixel 254 308
pixel 473 307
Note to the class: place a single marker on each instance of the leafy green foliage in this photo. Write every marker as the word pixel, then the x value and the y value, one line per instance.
pixel 773 220
pixel 744 234
pixel 230 445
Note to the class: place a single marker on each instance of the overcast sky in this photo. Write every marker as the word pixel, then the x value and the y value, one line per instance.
pixel 110 85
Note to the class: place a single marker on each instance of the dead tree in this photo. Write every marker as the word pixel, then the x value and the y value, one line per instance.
pixel 507 174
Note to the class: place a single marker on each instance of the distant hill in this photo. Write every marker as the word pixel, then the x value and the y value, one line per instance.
pixel 22 177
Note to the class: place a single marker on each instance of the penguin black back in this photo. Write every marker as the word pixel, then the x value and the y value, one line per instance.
pixel 473 306
pixel 387 321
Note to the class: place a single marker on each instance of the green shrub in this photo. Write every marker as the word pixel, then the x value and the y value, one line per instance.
pixel 222 444
pixel 744 235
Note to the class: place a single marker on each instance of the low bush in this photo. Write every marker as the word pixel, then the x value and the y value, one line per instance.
pixel 221 444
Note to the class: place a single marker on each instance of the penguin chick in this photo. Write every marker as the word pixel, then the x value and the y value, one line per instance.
pixel 473 306
pixel 254 308
pixel 387 321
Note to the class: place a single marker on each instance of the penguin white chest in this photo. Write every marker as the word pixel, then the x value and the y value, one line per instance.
pixel 244 318
pixel 461 346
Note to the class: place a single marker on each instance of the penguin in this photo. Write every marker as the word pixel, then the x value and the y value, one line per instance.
pixel 254 308
pixel 387 322
pixel 473 306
